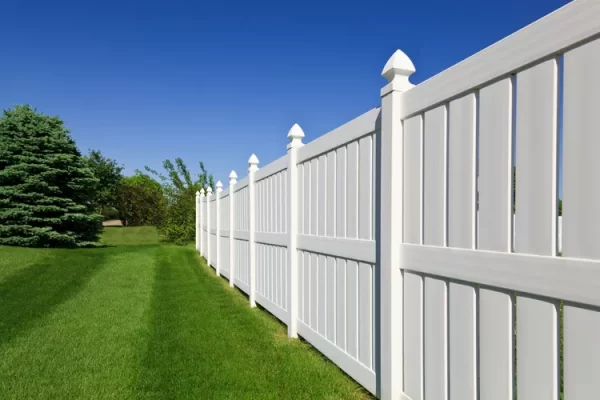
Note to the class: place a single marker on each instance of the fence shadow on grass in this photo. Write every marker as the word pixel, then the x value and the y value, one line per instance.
pixel 34 292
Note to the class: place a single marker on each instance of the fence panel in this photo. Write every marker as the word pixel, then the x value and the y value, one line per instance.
pixel 336 270
pixel 470 254
pixel 510 120
pixel 271 239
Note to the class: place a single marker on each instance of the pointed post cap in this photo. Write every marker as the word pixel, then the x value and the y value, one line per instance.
pixel 232 178
pixel 397 70
pixel 202 192
pixel 197 194
pixel 208 191
pixel 253 163
pixel 295 136
pixel 219 186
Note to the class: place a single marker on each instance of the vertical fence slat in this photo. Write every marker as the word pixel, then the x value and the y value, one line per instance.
pixel 495 209
pixel 270 264
pixel 535 226
pixel 301 283
pixel 495 345
pixel 374 192
pixel 434 176
pixel 259 269
pixel 412 180
pixel 331 298
pixel 277 275
pixel 314 199
pixel 280 264
pixel 306 201
pixel 581 212
pixel 536 136
pixel 340 310
pixel 352 308
pixel 314 291
pixel 495 145
pixel 463 341
pixel 340 198
pixel 436 339
pixel 274 274
pixel 365 174
pixel 461 172
pixel 322 218
pixel 352 192
pixel 537 349
pixel 277 203
pixel 331 194
pixel 413 336
pixel 301 199
pixel 307 289
pixel 283 280
pixel 365 306
pixel 269 272
pixel 322 282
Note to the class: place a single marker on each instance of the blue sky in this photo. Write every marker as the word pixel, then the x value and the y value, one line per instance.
pixel 216 81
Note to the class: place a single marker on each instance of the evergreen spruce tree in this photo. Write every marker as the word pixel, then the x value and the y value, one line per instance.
pixel 46 188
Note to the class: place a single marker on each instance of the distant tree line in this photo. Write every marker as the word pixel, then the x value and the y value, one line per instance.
pixel 51 195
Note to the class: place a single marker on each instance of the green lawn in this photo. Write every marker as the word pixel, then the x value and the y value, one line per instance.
pixel 139 319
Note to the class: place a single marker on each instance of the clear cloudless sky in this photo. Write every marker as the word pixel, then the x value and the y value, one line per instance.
pixel 215 81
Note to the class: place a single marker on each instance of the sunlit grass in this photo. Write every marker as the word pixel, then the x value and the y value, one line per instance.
pixel 140 319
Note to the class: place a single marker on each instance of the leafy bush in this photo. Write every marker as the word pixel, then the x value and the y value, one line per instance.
pixel 108 173
pixel 140 201
pixel 109 213
pixel 46 188
pixel 178 225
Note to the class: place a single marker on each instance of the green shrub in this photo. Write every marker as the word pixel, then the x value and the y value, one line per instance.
pixel 108 174
pixel 46 188
pixel 140 201
pixel 178 225
pixel 109 213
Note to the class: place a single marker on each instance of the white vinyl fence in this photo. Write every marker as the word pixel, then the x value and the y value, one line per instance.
pixel 370 243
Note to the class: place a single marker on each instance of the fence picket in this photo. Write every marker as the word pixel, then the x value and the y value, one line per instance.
pixel 434 176
pixel 413 336
pixel 436 338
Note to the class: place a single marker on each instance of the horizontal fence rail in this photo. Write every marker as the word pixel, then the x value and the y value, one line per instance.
pixel 443 245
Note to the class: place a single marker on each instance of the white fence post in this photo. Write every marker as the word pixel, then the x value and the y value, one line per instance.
pixel 202 249
pixel 198 227
pixel 390 220
pixel 295 136
pixel 232 182
pixel 208 194
pixel 218 227
pixel 252 168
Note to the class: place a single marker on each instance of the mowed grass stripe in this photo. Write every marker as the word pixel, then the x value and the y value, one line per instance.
pixel 207 343
pixel 90 344
pixel 30 293
pixel 139 319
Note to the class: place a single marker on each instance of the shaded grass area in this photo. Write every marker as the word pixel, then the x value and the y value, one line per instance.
pixel 139 319
pixel 122 236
